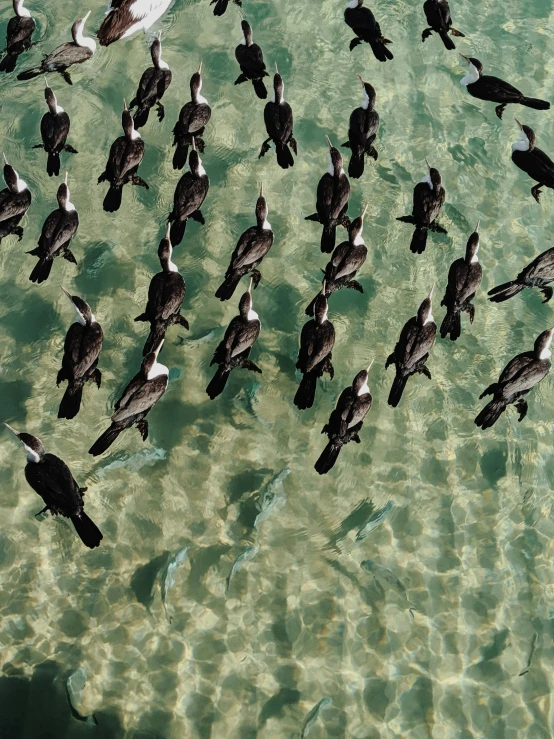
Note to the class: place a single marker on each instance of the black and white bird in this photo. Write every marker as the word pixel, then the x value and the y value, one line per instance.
pixel 485 87
pixel 80 50
pixel 193 119
pixel 538 273
pixel 532 160
pixel 83 343
pixel 51 478
pixel 519 376
pixel 152 86
pixel 317 340
pixel 346 420
pixel 220 6
pixel 126 154
pixel 363 128
pixel 345 262
pixel 464 279
pixel 234 349
pixel 15 200
pixel 412 349
pixel 18 36
pixel 429 196
pixel 125 17
pixel 439 19
pixel 54 129
pixel 57 231
pixel 362 21
pixel 251 62
pixel 165 297
pixel 333 194
pixel 279 125
pixel 137 400
pixel 252 247
pixel 190 193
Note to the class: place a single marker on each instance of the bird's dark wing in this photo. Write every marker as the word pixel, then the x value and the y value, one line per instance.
pixel 325 191
pixel 252 248
pixel 58 229
pixel 522 373
pixel 542 266
pixel 363 124
pixel 498 90
pixel 12 205
pixel 222 354
pixel 286 121
pixel 245 337
pixel 54 130
pixel 19 32
pixel 190 193
pixel 543 169
pixel 194 117
pixel 362 21
pixel 145 397
pixel 352 261
pixel 427 203
pixel 66 55
pixel 322 344
pixel 53 481
pixel 130 390
pixel 89 349
pixel 415 342
pixel 251 60
pixel 169 295
pixel 125 157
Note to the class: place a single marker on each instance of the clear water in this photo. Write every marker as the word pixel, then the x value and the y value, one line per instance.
pixel 467 522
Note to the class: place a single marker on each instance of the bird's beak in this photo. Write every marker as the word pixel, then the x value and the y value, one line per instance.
pixel 200 68
pixel 477 226
pixel 45 81
pixel 364 212
pixel 359 76
pixel 7 425
pixel 261 189
pixel 65 180
pixel 276 70
pixel 159 35
pixel 465 58
pixel 323 287
pixel 158 350
pixel 5 160
pixel 167 231
pixel 428 165
pixel 329 141
pixel 85 19
pixel 250 286
pixel 519 124
pixel 68 294
pixel 125 104
pixel 193 144
pixel 431 293
pixel 370 365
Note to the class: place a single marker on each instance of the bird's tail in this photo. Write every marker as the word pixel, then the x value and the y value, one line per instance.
pixel 284 156
pixel 112 201
pixel 398 385
pixel 105 441
pixel 305 395
pixel 53 163
pixel 157 333
pixel 506 291
pixel 419 240
pixel 227 288
pixel 177 232
pixel 260 88
pixel 380 50
pixel 446 40
pixel 452 325
pixel 328 239
pixel 8 63
pixel 88 531
pixel 41 270
pixel 218 382
pixel 220 6
pixel 28 74
pixel 328 457
pixel 356 165
pixel 71 401
pixel 180 155
pixel 490 413
pixel 535 103
pixel 141 117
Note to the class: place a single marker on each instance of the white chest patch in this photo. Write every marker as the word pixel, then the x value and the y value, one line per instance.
pixel 59 109
pixel 172 266
pixel 359 241
pixel 201 170
pixel 252 315
pixel 522 145
pixel 352 4
pixel 365 102
pixel 32 456
pixel 157 370
pixel 364 389
pixel 470 78
pixel 428 180
pixel 545 354
pixel 429 319
pixel 135 135
pixel 20 185
pixel 69 207
pixel 266 225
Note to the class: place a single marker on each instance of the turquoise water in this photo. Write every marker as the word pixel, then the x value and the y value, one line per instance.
pixel 429 638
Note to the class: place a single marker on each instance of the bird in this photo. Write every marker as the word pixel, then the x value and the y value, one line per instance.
pixel 333 193
pixel 18 36
pixel 362 21
pixel 439 19
pixel 54 129
pixel 193 119
pixel 412 350
pixel 57 231
pixel 485 87
pixel 533 160
pixel 429 196
pixel 346 420
pixel 464 278
pixel 15 200
pixel 251 248
pixel 220 6
pixel 137 400
pixel 125 17
pixel 345 262
pixel 363 128
pixel 165 297
pixel 126 154
pixel 152 86
pixel 51 478
pixel 80 50
pixel 317 340
pixel 279 125
pixel 234 350
pixel 83 343
pixel 520 375
pixel 538 273
pixel 251 62
pixel 190 193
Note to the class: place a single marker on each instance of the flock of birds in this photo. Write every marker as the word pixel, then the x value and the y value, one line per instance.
pixel 49 475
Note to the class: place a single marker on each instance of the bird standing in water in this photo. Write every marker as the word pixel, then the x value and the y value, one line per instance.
pixel 18 36
pixel 464 278
pixel 317 340
pixel 54 129
pixel 439 19
pixel 362 21
pixel 15 200
pixel 533 160
pixel 152 86
pixel 429 196
pixel 279 123
pixel 363 128
pixel 251 62
pixel 193 119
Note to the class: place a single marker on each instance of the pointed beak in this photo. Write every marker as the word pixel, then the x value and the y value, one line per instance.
pixel 428 165
pixel 323 284
pixel 276 70
pixel 261 189
pixel 46 82
pixel 68 294
pixel 11 428
pixel 465 58
pixel 159 35
pixel 159 348
pixel 519 124
pixel 364 212
pixel 167 231
pixel 370 365
pixel 85 19
pixel 329 141
pixel 65 180
pixel 125 104
pixel 430 296
pixel 193 144
pixel 250 286
pixel 200 68
pixel 477 226
pixel 5 160
pixel 359 76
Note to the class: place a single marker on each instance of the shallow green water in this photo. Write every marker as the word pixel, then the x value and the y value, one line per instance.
pixel 467 521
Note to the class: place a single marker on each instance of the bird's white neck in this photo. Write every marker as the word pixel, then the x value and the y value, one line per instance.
pixel 172 267
pixel 21 11
pixel 32 456
pixel 364 389
pixel 545 354
pixel 428 180
pixel 252 315
pixel 359 240
pixel 266 225
pixel 157 370
pixel 20 184
pixel 470 78
pixel 365 101
pixel 352 4
pixel 429 319
pixel 84 41
pixel 522 145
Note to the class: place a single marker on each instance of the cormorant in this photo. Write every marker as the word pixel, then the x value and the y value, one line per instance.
pixel 346 420
pixel 235 348
pixel 51 478
pixel 58 230
pixel 137 400
pixel 15 200
pixel 125 17
pixel 65 56
pixel 538 273
pixel 251 62
pixel 363 128
pixel 362 21
pixel 438 17
pixel 429 195
pixel 279 124
pixel 190 193
pixel 165 297
pixel 519 376
pixel 83 343
pixel 153 83
pixel 193 119
pixel 464 278
pixel 533 160
pixel 54 129
pixel 252 247
pixel 412 350
pixel 126 154
pixel 18 36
